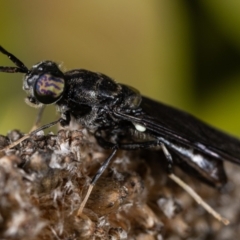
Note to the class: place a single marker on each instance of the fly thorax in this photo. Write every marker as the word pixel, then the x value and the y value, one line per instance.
pixel 131 97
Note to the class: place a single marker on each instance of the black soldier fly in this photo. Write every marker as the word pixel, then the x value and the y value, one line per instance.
pixel 121 118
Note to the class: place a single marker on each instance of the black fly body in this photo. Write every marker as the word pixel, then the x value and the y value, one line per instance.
pixel 114 111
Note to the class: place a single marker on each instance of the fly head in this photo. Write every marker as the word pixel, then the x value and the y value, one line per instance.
pixel 44 83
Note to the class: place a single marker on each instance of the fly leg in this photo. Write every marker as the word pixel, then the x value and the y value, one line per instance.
pixel 38 118
pixel 150 144
pixel 95 178
pixel 169 159
pixel 64 121
pixel 31 134
pixel 125 146
pixel 139 145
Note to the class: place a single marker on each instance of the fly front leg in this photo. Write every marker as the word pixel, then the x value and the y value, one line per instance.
pixel 63 121
pixel 31 134
pixel 38 118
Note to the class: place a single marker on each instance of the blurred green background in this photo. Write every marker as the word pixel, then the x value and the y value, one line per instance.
pixel 184 53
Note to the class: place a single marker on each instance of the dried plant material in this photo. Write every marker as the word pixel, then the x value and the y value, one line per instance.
pixel 198 199
pixel 44 179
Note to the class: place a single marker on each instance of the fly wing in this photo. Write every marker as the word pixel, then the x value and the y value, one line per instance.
pixel 185 128
pixel 180 127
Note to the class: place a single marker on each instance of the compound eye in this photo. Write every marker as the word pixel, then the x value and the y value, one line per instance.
pixel 48 89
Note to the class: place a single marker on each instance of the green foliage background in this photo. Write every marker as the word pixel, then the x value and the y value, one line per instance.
pixel 184 53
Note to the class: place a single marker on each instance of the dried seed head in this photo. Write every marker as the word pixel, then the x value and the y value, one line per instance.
pixel 44 179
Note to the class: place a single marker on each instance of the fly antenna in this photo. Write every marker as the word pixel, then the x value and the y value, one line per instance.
pixel 20 66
